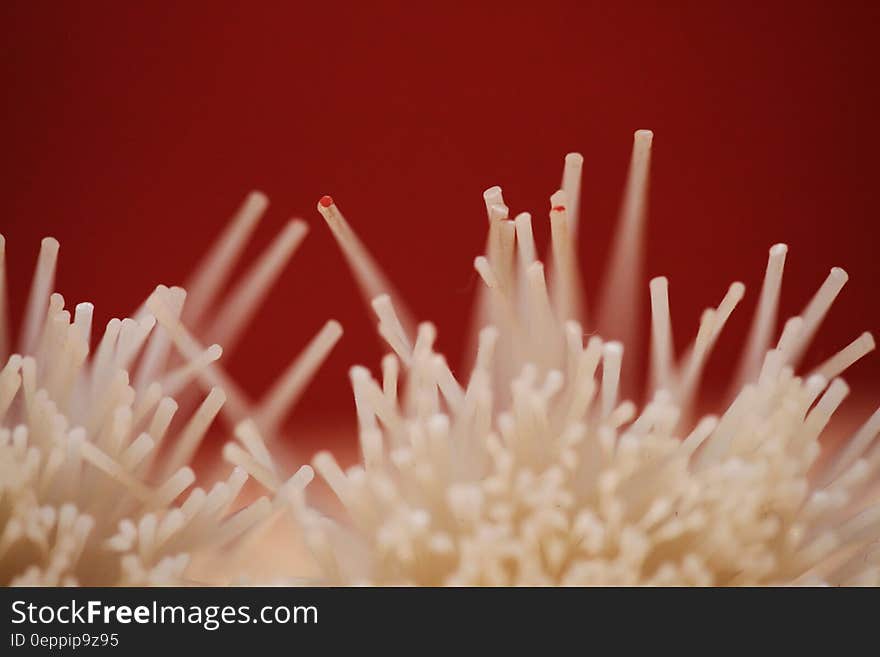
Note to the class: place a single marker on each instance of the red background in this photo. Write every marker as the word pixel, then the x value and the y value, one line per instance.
pixel 131 133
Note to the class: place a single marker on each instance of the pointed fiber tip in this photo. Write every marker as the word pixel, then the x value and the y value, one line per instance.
pixel 301 478
pixel 738 289
pixel 614 348
pixel 325 201
pixel 257 199
pixel 493 195
pixel 293 230
pixel 217 393
pixel 322 459
pixel 839 274
pixel 358 373
pixel 381 300
pixel 334 327
pixel 644 136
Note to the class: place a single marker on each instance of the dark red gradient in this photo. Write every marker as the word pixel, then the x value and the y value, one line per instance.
pixel 131 131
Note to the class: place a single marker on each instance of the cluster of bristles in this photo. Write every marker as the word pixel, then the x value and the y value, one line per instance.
pixel 96 446
pixel 531 470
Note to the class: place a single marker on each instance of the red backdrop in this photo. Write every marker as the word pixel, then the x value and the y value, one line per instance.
pixel 132 132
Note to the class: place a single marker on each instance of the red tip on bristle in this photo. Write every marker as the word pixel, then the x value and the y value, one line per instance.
pixel 326 201
pixel 559 208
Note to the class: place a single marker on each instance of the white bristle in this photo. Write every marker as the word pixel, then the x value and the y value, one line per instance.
pixel 567 288
pixel 571 187
pixel 816 310
pixel 218 263
pixel 621 289
pixel 41 288
pixel 661 335
pixel 233 316
pixel 844 358
pixel 368 274
pixel 286 390
pixel 764 322
pixel 4 303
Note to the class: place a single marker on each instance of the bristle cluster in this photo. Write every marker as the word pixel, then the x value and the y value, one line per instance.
pixel 531 470
pixel 97 440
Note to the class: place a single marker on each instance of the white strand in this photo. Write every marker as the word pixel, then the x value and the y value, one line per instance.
pixel 617 315
pixel 188 442
pixel 368 274
pixel 853 449
pixel 612 356
pixel 843 359
pixel 815 312
pixel 4 303
pixel 765 317
pixel 661 335
pixel 41 288
pixel 233 316
pixel 571 187
pixel 289 386
pixel 212 273
pixel 567 288
pixel 211 376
